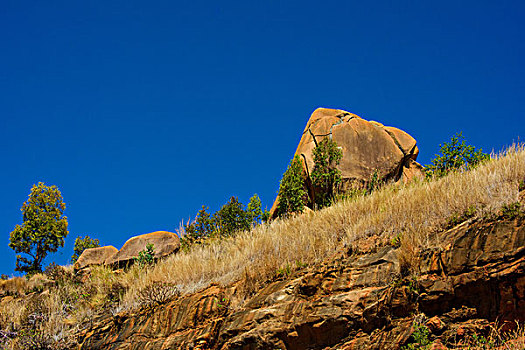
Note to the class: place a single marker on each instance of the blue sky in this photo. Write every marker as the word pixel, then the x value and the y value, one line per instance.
pixel 140 112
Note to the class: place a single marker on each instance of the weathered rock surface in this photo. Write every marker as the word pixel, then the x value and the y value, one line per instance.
pixel 94 256
pixel 368 147
pixel 165 243
pixel 351 301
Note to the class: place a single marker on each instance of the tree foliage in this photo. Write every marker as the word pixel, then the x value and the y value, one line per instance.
pixel 81 244
pixel 201 228
pixel 43 229
pixel 455 155
pixel 231 218
pixel 254 211
pixel 292 191
pixel 326 178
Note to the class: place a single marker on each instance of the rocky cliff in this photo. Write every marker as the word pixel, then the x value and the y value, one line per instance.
pixel 352 300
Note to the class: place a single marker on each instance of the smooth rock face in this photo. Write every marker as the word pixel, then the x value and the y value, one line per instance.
pixel 351 301
pixel 367 146
pixel 165 243
pixel 94 256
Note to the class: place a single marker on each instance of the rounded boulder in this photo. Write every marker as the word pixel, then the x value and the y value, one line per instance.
pixel 164 243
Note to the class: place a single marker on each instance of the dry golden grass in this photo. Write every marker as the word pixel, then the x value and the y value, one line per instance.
pixel 414 212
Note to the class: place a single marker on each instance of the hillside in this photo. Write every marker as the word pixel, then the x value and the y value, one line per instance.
pixel 371 272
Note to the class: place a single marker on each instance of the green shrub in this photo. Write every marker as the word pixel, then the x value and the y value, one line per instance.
pixel 292 190
pixel 326 178
pixel 420 338
pixel 253 210
pixel 455 155
pixel 201 228
pixel 146 256
pixel 457 219
pixel 82 244
pixel 512 210
pixel 231 218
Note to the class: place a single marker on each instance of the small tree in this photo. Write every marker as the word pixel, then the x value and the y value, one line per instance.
pixel 43 230
pixel 254 210
pixel 292 190
pixel 82 244
pixel 325 176
pixel 202 227
pixel 231 218
pixel 455 155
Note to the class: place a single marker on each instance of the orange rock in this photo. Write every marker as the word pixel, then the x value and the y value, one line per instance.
pixel 165 243
pixel 94 256
pixel 434 324
pixel 368 147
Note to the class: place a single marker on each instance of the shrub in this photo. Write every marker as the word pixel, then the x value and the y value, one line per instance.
pixel 202 227
pixel 82 244
pixel 231 218
pixel 58 274
pixel 457 219
pixel 420 338
pixel 292 190
pixel 146 256
pixel 157 293
pixel 512 210
pixel 254 211
pixel 326 178
pixel 455 155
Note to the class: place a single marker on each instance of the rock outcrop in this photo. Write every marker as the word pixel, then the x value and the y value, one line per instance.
pixel 368 148
pixel 94 256
pixel 354 300
pixel 165 243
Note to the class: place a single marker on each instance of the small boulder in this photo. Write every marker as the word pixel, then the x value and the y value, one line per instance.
pixel 165 243
pixel 94 256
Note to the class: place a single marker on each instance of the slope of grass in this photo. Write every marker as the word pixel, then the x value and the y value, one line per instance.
pixel 411 214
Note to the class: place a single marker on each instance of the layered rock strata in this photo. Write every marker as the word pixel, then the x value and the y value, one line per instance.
pixel 354 300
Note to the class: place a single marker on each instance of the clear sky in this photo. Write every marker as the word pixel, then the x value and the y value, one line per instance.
pixel 142 111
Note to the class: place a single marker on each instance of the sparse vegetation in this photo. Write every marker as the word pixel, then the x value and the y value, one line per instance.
pixel 146 256
pixel 326 178
pixel 231 218
pixel 157 293
pixel 455 155
pixel 512 210
pixel 43 230
pixel 419 338
pixel 292 191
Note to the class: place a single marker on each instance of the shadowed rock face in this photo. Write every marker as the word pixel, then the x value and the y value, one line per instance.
pixel 94 256
pixel 368 147
pixel 165 243
pixel 351 301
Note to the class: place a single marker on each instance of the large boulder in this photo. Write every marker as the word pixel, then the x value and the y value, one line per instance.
pixel 94 256
pixel 368 147
pixel 165 243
